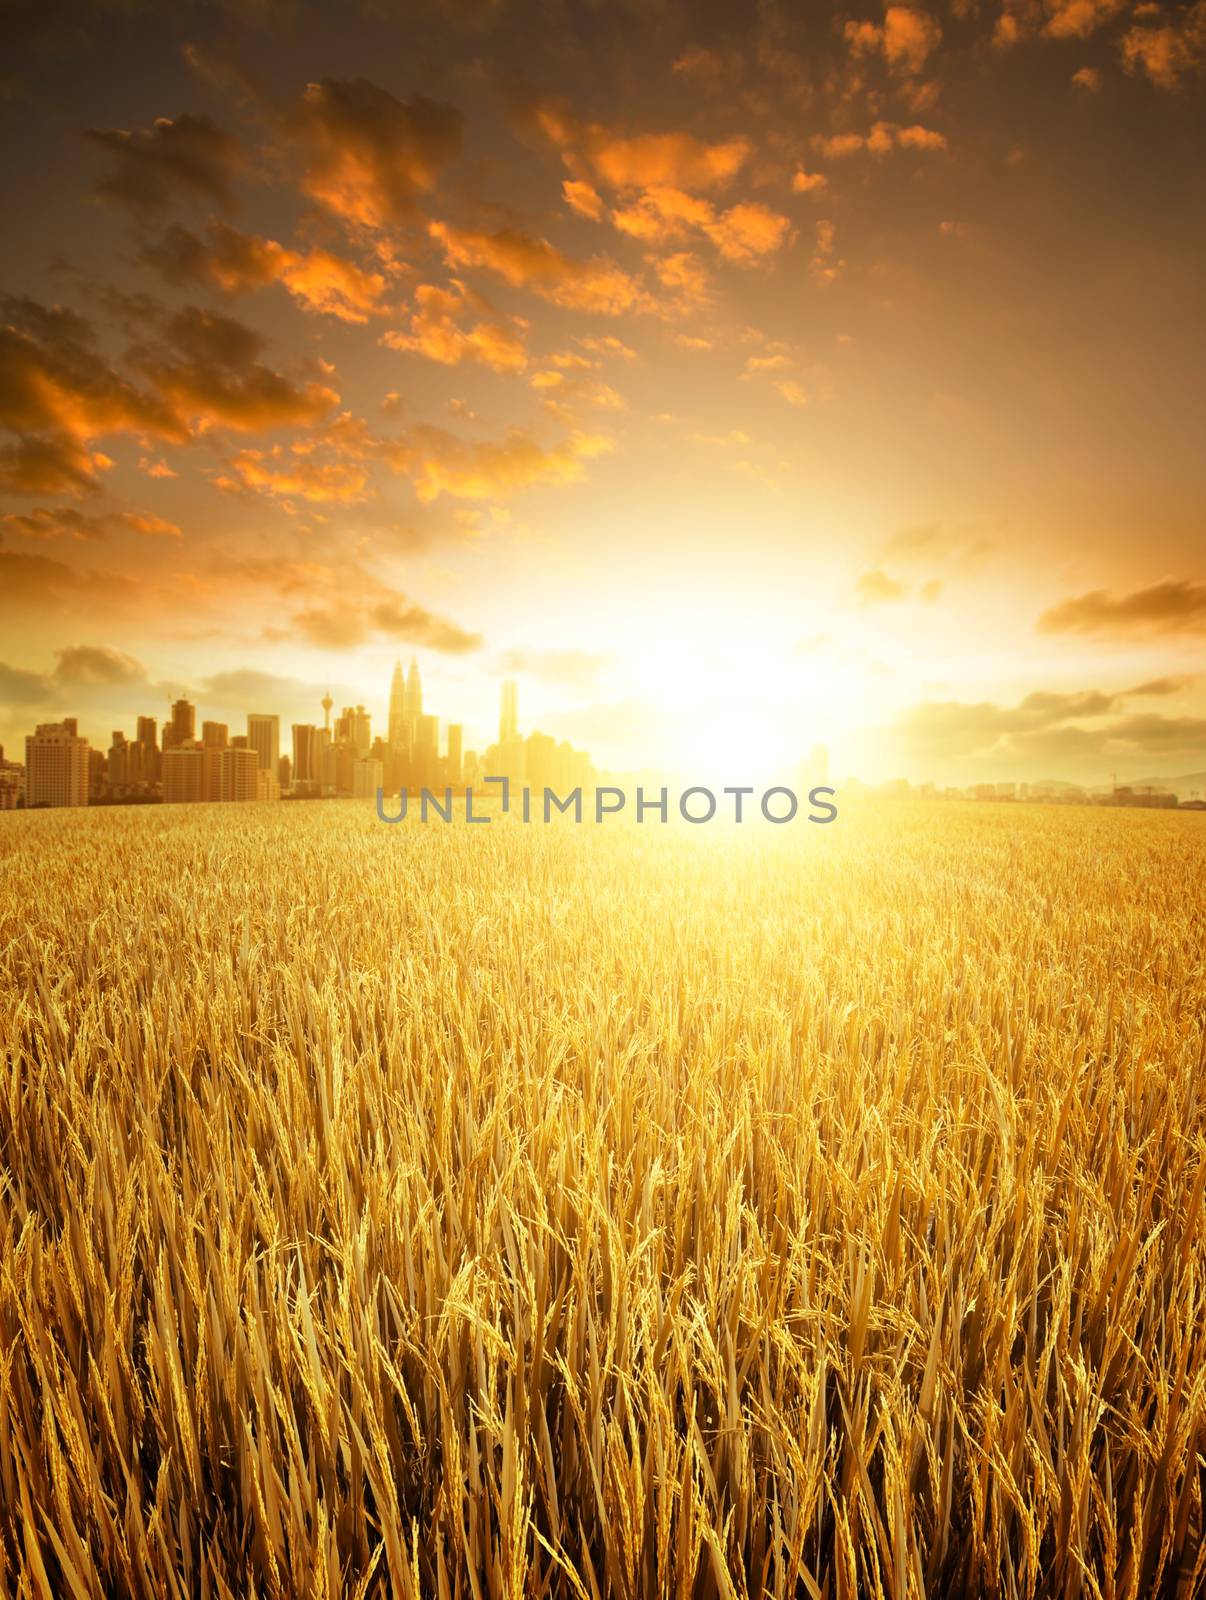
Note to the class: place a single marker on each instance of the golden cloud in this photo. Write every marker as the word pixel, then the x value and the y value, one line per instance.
pixel 232 261
pixel 284 474
pixel 440 463
pixel 673 159
pixel 882 138
pixel 525 261
pixel 58 394
pixel 381 612
pixel 1077 19
pixel 436 332
pixel 1167 51
pixel 906 38
pixel 1177 605
pixel 368 156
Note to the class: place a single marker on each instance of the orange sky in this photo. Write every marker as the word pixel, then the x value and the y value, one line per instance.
pixel 734 377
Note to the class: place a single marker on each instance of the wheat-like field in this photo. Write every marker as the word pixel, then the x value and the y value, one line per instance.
pixel 589 1211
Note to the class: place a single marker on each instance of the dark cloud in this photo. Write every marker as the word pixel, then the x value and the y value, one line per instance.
pixel 399 618
pixel 21 688
pixel 1044 726
pixel 65 522
pixel 56 522
pixel 59 394
pixel 207 369
pixel 31 581
pixel 1156 733
pixel 1162 686
pixel 48 466
pixel 233 262
pixel 1167 46
pixel 368 157
pixel 188 157
pixel 1177 605
pixel 97 664
pixel 345 623
pixel 57 387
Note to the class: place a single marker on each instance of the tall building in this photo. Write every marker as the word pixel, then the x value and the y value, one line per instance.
pixel 305 753
pixel 508 721
pixel 426 751
pixel 56 765
pixel 12 783
pixel 456 738
pixel 148 750
pixel 353 726
pixel 264 737
pixel 215 735
pixel 399 727
pixel 414 697
pixel 367 778
pixel 211 770
pixel 183 773
pixel 240 769
pixel 117 772
pixel 327 703
pixel 183 725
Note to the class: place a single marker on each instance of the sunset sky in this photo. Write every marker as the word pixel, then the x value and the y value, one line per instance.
pixel 735 377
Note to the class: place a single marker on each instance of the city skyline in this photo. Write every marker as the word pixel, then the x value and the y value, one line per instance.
pixel 418 751
pixel 812 373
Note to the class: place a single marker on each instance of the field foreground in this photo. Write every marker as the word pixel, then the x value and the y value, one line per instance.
pixel 602 1211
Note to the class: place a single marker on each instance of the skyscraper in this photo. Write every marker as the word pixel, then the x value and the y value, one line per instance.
pixel 148 750
pixel 183 726
pixel 399 729
pixel 56 765
pixel 414 697
pixel 456 735
pixel 305 753
pixel 353 726
pixel 264 737
pixel 508 721
pixel 327 703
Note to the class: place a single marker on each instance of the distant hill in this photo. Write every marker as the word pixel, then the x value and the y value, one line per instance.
pixel 1187 785
pixel 1182 788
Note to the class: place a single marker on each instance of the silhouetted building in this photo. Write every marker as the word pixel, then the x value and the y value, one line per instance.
pixel 264 737
pixel 354 726
pixel 305 753
pixel 182 727
pixel 399 721
pixel 414 697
